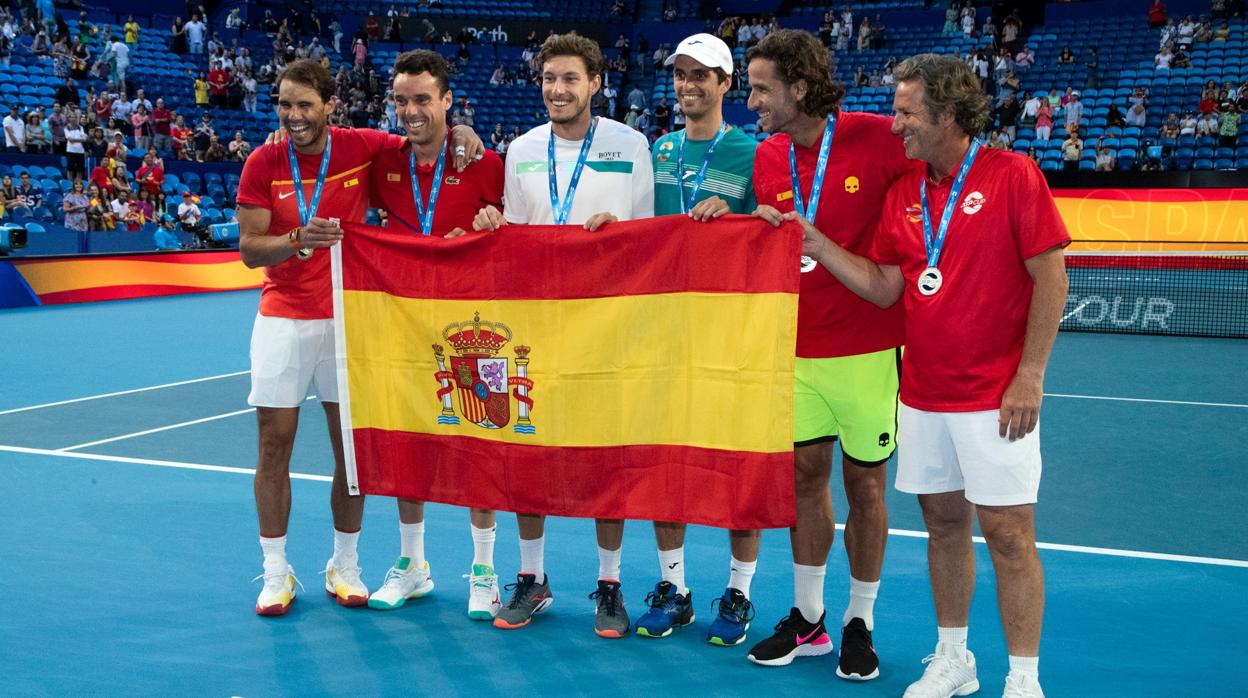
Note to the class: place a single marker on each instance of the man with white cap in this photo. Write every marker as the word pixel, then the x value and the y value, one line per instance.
pixel 703 172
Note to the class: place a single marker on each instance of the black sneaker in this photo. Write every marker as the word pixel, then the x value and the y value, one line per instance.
pixel 795 637
pixel 528 598
pixel 858 660
pixel 610 618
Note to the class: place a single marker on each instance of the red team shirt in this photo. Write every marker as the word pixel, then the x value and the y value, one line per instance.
pixel 964 344
pixel 463 194
pixel 296 288
pixel 864 161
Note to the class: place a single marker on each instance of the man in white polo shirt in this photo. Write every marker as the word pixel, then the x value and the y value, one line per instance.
pixel 602 173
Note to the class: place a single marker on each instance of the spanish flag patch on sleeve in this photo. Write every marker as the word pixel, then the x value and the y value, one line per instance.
pixel 784 195
pixel 351 182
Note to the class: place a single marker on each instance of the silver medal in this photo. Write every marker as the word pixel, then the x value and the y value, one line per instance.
pixel 808 264
pixel 930 281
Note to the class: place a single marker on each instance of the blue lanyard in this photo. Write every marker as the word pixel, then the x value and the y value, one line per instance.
pixel 816 187
pixel 426 215
pixel 701 177
pixel 933 243
pixel 305 211
pixel 559 210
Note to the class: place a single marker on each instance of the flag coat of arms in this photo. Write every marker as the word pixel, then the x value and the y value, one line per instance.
pixel 644 371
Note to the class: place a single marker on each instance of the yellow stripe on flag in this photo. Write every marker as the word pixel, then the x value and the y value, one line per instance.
pixel 601 368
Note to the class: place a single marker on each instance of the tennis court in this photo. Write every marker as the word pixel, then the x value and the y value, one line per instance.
pixel 125 453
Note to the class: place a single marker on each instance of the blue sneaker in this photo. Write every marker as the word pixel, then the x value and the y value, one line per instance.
pixel 668 609
pixel 735 614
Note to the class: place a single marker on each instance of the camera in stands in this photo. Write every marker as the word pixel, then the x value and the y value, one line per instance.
pixel 12 237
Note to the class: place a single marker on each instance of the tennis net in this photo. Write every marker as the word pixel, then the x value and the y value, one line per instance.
pixel 1177 293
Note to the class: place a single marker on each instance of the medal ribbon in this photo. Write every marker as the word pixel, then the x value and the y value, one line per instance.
pixel 559 210
pixel 425 215
pixel 701 176
pixel 306 211
pixel 933 243
pixel 816 187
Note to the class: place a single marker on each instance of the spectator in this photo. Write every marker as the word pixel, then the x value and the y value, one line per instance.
pixel 1115 118
pixel 75 205
pixel 1031 105
pixel 1007 116
pixel 1228 131
pixel 142 208
pixel 1034 156
pixel 122 212
pixel 1186 33
pixel 1188 125
pixel 117 150
pixel 1105 161
pixel 75 148
pixel 99 209
pixel 1044 121
pixel 9 199
pixel 1072 152
pixel 177 36
pixel 1074 112
pixel 121 64
pixel 1170 127
pixel 141 122
pixel 56 124
pixel 14 132
pixel 31 196
pixel 204 133
pixel 1156 14
pixel 1137 109
pixel 250 88
pixel 121 182
pixel 67 94
pixel 195 31
pixel 1204 31
pixel 131 29
pixel 181 136
pixel 121 113
pixel 36 140
pixel 1208 124
pixel 663 116
pixel 188 213
pixel 951 19
pixel 998 140
pixel 162 120
pixel 1025 58
pixel 1093 66
pixel 97 146
pixel 1163 59
pixel 218 85
pixel 335 30
pixel 1067 57
pixel 151 175
pixel 360 52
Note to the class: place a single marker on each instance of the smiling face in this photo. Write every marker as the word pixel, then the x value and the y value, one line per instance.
pixel 303 113
pixel 567 88
pixel 698 88
pixel 775 102
pixel 421 106
pixel 921 132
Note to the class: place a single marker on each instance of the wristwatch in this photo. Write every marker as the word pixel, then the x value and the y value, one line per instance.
pixel 301 252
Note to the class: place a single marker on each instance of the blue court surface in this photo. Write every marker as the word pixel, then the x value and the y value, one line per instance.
pixel 130 540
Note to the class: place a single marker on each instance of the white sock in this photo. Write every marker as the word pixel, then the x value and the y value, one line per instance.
pixel 808 590
pixel 861 602
pixel 672 566
pixel 609 563
pixel 483 546
pixel 274 551
pixel 533 557
pixel 953 638
pixel 344 548
pixel 412 543
pixel 1025 666
pixel 740 574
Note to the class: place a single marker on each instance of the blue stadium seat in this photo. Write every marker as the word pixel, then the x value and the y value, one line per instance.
pixel 1202 164
pixel 1223 164
pixel 35 228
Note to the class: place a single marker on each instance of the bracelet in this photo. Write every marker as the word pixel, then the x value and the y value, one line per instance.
pixel 293 238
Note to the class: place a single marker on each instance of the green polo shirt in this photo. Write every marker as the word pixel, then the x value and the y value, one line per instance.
pixel 730 175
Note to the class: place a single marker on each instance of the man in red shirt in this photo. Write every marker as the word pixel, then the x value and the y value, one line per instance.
pixel 151 176
pixel 444 205
pixel 973 244
pixel 847 348
pixel 219 85
pixel 288 194
pixel 162 119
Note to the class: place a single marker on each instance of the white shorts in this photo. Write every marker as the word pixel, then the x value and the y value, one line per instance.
pixel 951 451
pixel 288 357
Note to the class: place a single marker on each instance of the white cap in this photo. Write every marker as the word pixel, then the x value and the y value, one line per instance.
pixel 706 49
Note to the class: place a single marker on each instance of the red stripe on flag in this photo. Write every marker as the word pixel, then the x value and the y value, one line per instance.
pixel 515 262
pixel 725 489
pixel 113 293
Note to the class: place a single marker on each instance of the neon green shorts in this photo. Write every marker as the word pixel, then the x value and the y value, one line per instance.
pixel 853 398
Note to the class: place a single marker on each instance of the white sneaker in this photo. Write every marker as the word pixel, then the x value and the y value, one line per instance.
pixel 1022 686
pixel 344 584
pixel 483 601
pixel 946 675
pixel 278 592
pixel 403 582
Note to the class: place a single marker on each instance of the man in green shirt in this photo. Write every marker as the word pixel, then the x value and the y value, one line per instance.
pixel 703 171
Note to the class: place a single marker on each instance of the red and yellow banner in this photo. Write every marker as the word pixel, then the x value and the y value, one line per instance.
pixel 1141 220
pixel 104 278
pixel 644 371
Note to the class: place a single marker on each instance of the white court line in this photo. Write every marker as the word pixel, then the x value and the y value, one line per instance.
pixel 1141 399
pixel 124 392
pixel 1222 562
pixel 145 432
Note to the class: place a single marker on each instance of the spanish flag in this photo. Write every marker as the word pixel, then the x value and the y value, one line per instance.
pixel 644 371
